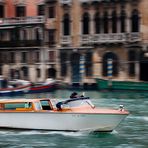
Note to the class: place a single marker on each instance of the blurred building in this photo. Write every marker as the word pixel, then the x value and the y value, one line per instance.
pixel 47 38
pixel 23 39
pixel 101 30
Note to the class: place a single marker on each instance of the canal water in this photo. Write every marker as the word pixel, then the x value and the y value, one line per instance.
pixel 131 133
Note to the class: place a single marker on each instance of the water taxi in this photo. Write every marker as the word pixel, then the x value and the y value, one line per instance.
pixel 74 114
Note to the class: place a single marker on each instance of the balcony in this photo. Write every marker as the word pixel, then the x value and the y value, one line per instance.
pixel 16 2
pixel 134 37
pixel 85 39
pixel 66 40
pixel 50 1
pixel 102 1
pixel 85 1
pixel 110 38
pixel 91 1
pixel 21 43
pixel 22 20
pixel 65 2
pixel 2 1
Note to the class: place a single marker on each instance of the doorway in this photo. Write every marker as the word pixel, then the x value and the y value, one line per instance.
pixel 144 67
pixel 75 70
pixel 51 73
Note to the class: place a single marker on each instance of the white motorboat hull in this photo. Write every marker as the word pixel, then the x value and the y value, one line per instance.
pixel 61 121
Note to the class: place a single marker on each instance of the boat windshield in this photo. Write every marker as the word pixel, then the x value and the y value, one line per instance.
pixel 46 105
pixel 80 101
pixel 75 102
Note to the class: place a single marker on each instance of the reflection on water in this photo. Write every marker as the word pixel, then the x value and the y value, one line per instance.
pixel 131 133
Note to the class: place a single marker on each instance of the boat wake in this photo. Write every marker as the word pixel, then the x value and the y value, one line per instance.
pixel 7 132
pixel 144 118
pixel 114 132
pixel 39 132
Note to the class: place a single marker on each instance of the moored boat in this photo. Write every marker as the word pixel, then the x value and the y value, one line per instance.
pixel 74 114
pixel 47 86
pixel 110 84
pixel 15 87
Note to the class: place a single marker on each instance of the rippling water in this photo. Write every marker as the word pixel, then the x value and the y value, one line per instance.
pixel 131 133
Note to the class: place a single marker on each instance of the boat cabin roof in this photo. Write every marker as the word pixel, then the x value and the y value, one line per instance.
pixel 43 104
pixel 26 104
pixel 21 100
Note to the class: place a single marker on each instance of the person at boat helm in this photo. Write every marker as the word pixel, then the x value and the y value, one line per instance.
pixel 74 95
pixel 59 104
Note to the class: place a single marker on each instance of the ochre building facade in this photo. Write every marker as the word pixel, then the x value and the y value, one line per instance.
pixel 50 38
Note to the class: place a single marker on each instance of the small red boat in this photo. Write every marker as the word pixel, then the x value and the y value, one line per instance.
pixel 48 85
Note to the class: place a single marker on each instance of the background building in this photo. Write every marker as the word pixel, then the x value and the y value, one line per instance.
pixel 22 39
pixel 25 40
pixel 102 30
pixel 47 38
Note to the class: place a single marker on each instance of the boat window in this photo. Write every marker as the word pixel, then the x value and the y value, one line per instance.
pixel 13 106
pixel 46 105
pixel 1 106
pixel 28 105
pixel 37 106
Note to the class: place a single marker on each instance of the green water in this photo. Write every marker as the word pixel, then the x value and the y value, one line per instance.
pixel 131 133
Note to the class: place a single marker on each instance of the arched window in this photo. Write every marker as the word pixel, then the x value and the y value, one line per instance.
pixel 23 34
pixel 85 22
pixel 75 67
pixel 12 73
pixel 114 22
pixel 105 22
pixel 135 21
pixel 1 70
pixel 15 34
pixel 2 11
pixel 25 72
pixel 31 35
pixel 97 23
pixel 38 33
pixel 113 56
pixel 38 71
pixel 17 74
pixel 51 73
pixel 131 59
pixel 1 58
pixel 123 21
pixel 66 24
